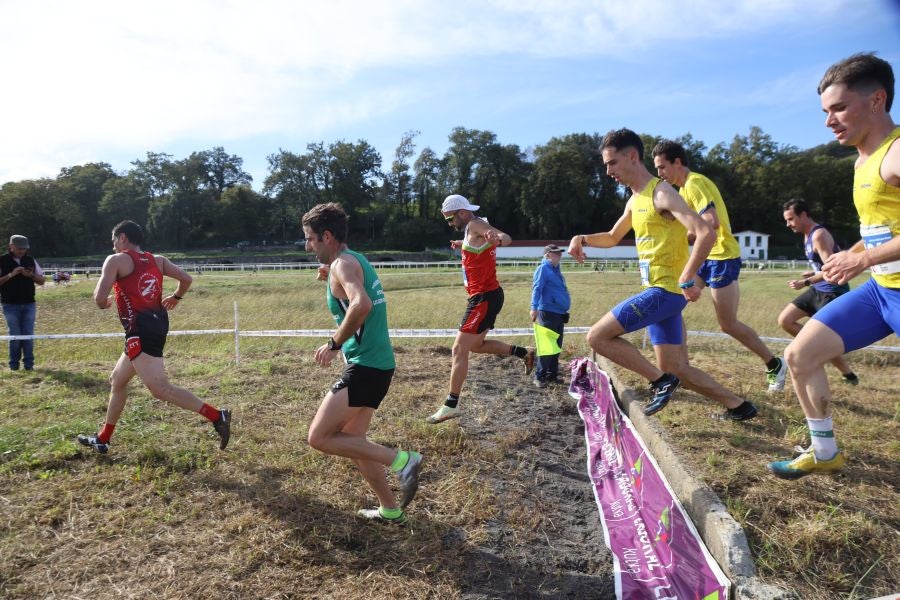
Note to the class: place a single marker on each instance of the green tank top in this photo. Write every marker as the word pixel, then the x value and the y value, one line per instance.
pixel 370 345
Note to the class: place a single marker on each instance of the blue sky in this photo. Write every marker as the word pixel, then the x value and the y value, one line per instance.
pixel 109 81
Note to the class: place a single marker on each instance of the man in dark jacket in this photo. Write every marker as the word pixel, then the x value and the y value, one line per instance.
pixel 19 273
pixel 549 308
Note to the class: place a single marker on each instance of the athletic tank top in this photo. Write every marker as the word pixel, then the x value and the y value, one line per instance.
pixel 702 194
pixel 661 243
pixel 815 261
pixel 370 345
pixel 141 291
pixel 878 205
pixel 479 266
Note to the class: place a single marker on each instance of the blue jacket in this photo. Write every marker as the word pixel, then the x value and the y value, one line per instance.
pixel 548 290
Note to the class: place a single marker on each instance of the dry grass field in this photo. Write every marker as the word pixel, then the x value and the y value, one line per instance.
pixel 505 508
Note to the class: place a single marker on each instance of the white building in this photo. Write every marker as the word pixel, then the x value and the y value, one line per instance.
pixel 754 245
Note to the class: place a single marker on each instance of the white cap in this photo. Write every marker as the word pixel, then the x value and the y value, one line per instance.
pixel 457 202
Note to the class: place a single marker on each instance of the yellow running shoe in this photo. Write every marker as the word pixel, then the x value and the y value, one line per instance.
pixel 805 464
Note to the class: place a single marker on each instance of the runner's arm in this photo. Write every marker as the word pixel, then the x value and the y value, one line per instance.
pixel 607 239
pixel 488 232
pixel 169 269
pixel 349 276
pixel 823 243
pixel 666 198
pixel 108 276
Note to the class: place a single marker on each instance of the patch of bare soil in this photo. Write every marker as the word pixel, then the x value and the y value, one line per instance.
pixel 541 488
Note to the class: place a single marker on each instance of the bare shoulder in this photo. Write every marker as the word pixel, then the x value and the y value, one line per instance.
pixel 667 197
pixel 116 260
pixel 890 166
pixel 346 266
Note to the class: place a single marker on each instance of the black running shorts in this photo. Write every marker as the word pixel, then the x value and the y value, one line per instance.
pixel 148 334
pixel 482 311
pixel 812 300
pixel 366 386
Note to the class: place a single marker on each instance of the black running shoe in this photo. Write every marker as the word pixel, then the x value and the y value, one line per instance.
pixel 744 412
pixel 93 442
pixel 223 427
pixel 662 393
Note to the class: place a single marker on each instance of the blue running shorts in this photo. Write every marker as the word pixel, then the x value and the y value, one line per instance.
pixel 863 316
pixel 719 273
pixel 656 309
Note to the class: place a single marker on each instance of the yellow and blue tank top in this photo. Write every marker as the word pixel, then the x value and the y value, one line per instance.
pixel 661 242
pixel 702 194
pixel 878 205
pixel 370 345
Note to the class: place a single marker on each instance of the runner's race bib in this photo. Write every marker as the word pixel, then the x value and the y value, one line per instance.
pixel 873 236
pixel 644 266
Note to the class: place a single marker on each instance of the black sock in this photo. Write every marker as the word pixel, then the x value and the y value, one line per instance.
pixel 662 378
pixel 742 409
pixel 518 351
pixel 773 364
pixel 451 400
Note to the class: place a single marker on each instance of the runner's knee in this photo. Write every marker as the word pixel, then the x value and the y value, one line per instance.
pixel 316 439
pixel 797 358
pixel 161 390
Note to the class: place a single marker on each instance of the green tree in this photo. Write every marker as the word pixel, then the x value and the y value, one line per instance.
pixel 82 188
pixel 568 190
pixel 35 208
pixel 123 198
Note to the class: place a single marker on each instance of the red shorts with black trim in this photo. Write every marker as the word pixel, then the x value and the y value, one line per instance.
pixel 482 311
pixel 148 334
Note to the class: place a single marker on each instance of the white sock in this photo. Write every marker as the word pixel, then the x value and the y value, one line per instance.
pixel 821 433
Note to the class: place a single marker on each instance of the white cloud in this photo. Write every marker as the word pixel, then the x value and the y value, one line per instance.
pixel 84 80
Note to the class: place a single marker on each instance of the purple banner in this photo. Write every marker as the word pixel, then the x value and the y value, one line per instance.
pixel 656 550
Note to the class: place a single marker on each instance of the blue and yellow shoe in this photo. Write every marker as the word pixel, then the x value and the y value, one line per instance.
pixel 806 464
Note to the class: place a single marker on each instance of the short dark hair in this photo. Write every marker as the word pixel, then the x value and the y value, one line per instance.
pixel 798 205
pixel 327 217
pixel 670 150
pixel 619 139
pixel 861 72
pixel 132 231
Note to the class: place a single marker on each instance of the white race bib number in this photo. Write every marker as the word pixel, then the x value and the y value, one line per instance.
pixel 644 266
pixel 874 236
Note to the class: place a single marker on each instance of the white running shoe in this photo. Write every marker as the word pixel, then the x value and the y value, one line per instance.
pixel 776 377
pixel 374 514
pixel 444 413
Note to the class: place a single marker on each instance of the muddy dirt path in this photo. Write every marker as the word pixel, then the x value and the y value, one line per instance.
pixel 541 481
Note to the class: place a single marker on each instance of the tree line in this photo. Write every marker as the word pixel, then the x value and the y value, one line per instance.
pixel 548 192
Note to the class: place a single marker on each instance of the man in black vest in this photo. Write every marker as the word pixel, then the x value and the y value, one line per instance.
pixel 19 273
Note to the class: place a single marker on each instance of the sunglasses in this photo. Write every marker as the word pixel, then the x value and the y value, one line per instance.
pixel 451 217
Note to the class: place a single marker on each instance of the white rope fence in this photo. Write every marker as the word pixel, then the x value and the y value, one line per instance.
pixel 394 333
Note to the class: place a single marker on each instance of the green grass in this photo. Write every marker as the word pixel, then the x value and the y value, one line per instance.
pixel 166 514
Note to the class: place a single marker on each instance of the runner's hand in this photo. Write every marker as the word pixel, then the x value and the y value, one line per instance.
pixel 692 294
pixel 324 356
pixel 575 249
pixel 843 266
